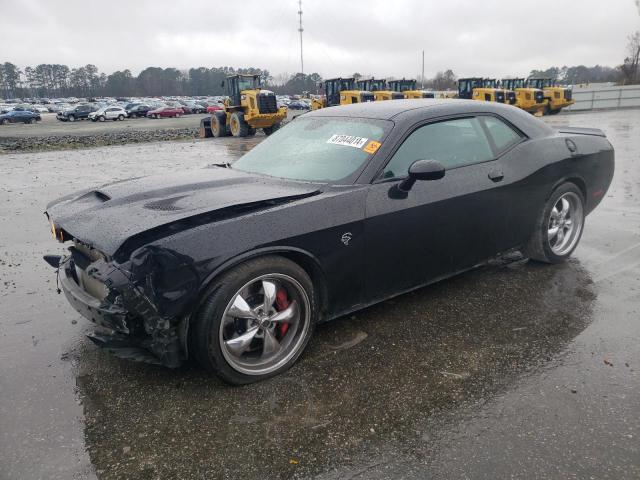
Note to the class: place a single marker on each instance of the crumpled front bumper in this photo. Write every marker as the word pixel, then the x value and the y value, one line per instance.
pixel 99 312
pixel 133 328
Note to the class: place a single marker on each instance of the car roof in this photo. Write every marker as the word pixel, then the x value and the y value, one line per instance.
pixel 411 111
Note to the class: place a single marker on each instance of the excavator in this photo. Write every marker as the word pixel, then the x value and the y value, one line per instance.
pixel 484 89
pixel 341 91
pixel 557 97
pixel 527 98
pixel 247 108
pixel 408 89
pixel 379 89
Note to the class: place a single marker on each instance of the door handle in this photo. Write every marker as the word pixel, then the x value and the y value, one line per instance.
pixel 496 175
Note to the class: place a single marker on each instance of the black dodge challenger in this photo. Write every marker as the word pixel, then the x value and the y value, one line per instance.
pixel 233 265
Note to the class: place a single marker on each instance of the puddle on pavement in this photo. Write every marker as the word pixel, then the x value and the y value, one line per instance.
pixel 367 384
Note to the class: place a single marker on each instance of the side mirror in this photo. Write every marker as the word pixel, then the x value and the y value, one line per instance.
pixel 422 170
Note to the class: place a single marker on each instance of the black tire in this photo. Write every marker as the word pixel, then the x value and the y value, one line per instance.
pixel 539 248
pixel 205 342
pixel 251 132
pixel 237 125
pixel 271 129
pixel 554 112
pixel 101 118
pixel 32 121
pixel 219 125
pixel 5 121
pixel 121 117
pixel 72 118
pixel 155 115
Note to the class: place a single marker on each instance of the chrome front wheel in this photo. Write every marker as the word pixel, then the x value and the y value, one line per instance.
pixel 265 324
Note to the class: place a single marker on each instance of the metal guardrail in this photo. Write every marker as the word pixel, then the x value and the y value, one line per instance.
pixel 613 97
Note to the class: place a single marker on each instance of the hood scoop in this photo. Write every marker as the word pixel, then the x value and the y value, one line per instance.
pixel 165 204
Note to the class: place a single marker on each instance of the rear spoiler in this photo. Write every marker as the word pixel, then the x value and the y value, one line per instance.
pixel 582 131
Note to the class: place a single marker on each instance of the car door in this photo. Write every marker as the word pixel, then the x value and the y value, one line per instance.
pixel 439 227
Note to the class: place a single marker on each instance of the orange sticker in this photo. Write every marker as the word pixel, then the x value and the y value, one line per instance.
pixel 372 147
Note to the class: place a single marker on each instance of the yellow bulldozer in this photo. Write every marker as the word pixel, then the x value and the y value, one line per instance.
pixel 379 89
pixel 485 90
pixel 527 98
pixel 557 97
pixel 247 108
pixel 341 91
pixel 408 89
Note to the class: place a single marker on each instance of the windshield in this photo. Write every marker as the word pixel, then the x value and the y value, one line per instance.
pixel 247 83
pixel 316 149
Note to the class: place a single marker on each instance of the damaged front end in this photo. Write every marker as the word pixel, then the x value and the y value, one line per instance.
pixel 141 305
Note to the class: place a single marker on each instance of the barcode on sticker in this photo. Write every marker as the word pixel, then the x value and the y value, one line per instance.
pixel 348 140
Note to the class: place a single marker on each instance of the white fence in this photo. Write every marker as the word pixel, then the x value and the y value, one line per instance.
pixel 605 97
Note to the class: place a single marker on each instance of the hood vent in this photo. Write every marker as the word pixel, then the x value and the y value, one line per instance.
pixel 165 205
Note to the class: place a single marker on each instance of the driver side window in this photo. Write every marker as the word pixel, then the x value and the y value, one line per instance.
pixel 454 143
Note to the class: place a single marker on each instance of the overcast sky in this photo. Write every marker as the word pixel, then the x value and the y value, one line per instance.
pixel 385 38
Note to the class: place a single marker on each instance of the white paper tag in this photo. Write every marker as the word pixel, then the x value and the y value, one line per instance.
pixel 348 141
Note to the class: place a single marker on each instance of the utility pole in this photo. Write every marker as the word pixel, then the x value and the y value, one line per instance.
pixel 422 77
pixel 300 29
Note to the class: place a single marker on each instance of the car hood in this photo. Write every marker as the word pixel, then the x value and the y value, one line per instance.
pixel 107 217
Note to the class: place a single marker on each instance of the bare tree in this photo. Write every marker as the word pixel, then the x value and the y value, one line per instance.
pixel 629 69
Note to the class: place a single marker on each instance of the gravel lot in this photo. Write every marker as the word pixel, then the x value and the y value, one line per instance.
pixel 52 134
pixel 513 370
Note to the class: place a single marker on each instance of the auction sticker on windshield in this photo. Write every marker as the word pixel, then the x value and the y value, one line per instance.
pixel 348 140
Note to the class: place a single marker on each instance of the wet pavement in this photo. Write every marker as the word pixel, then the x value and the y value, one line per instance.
pixel 513 370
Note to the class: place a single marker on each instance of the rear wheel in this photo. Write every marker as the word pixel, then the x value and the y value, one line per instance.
pixel 271 129
pixel 559 226
pixel 239 128
pixel 219 125
pixel 256 322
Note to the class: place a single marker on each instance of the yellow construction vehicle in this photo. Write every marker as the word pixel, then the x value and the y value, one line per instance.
pixel 529 99
pixel 557 97
pixel 408 89
pixel 485 90
pixel 246 108
pixel 341 91
pixel 379 89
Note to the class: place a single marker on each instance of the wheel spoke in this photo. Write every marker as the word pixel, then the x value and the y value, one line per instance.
pixel 560 236
pixel 269 290
pixel 565 207
pixel 271 345
pixel 241 309
pixel 554 213
pixel 240 344
pixel 552 232
pixel 285 315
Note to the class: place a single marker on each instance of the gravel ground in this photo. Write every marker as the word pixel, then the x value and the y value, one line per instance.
pixel 513 370
pixel 52 134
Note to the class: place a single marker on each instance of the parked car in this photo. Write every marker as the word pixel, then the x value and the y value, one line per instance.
pixel 19 116
pixel 298 105
pixel 139 111
pixel 79 112
pixel 215 107
pixel 108 113
pixel 165 112
pixel 234 264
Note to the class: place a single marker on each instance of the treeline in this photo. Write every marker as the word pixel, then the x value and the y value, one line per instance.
pixel 55 80
pixel 580 74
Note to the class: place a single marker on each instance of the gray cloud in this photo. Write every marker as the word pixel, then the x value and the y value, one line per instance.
pixel 371 37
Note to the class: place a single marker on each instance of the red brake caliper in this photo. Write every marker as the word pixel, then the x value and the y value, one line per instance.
pixel 282 302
